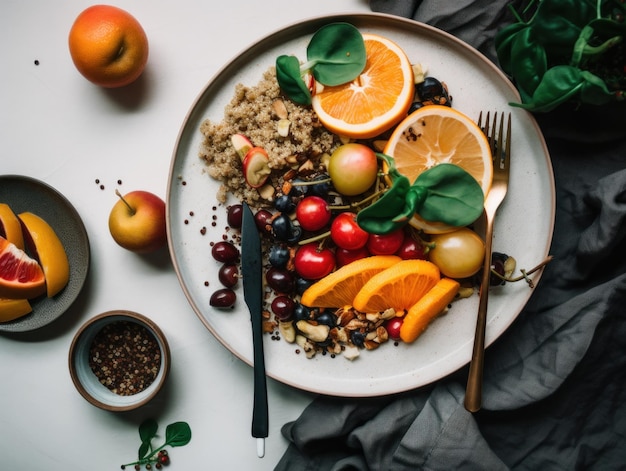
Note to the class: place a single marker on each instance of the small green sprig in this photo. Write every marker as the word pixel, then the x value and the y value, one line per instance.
pixel 176 434
pixel 335 55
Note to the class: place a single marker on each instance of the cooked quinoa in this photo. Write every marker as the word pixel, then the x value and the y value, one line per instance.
pixel 252 112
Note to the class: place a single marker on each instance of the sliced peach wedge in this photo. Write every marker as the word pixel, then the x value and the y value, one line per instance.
pixel 43 242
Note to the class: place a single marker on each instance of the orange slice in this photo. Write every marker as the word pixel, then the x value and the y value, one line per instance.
pixel 340 287
pixel 427 308
pixel 11 309
pixel 10 227
pixel 398 287
pixel 49 251
pixel 21 277
pixel 438 134
pixel 376 100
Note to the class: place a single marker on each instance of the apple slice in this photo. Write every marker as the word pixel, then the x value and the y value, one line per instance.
pixel 256 168
pixel 241 144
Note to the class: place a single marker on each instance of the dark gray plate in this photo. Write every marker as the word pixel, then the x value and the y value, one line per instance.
pixel 28 194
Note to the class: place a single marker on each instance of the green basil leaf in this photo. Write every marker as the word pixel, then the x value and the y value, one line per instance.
pixel 530 62
pixel 177 434
pixel 504 40
pixel 337 54
pixel 144 449
pixel 148 430
pixel 558 85
pixel 453 196
pixel 290 80
pixel 392 210
pixel 594 90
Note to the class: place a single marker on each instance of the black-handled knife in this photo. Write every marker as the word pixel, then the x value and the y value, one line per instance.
pixel 252 272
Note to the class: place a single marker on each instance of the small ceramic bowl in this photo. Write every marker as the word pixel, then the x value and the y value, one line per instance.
pixel 119 360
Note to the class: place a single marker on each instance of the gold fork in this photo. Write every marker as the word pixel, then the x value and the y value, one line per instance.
pixel 500 145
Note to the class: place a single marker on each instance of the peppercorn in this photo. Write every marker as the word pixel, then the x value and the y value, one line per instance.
pixel 125 357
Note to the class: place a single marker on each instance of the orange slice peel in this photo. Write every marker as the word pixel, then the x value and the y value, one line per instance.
pixel 340 287
pixel 376 100
pixel 422 313
pixel 399 287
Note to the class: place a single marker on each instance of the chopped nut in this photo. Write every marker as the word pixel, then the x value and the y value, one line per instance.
pixel 371 345
pixel 267 192
pixel 345 316
pixel 306 345
pixel 419 72
pixel 464 292
pixel 306 168
pixel 287 331
pixel 388 313
pixel 280 109
pixel 339 334
pixel 356 324
pixel 351 352
pixel 269 326
pixel 290 175
pixel 509 267
pixel 291 159
pixel 381 335
pixel 283 127
pixel 316 333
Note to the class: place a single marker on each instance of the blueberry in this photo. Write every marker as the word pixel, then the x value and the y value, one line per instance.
pixel 284 204
pixel 327 318
pixel 302 284
pixel 279 256
pixel 301 312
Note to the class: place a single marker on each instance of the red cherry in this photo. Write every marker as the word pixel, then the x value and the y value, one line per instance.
pixel 411 249
pixel 393 327
pixel 385 244
pixel 313 213
pixel 312 262
pixel 344 256
pixel 346 233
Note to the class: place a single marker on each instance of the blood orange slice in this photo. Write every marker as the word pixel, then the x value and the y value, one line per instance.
pixel 21 277
pixel 10 227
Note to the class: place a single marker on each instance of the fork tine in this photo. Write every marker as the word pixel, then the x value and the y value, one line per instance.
pixel 499 141
pixel 507 145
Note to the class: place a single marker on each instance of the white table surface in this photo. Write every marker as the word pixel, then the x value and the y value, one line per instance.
pixel 58 127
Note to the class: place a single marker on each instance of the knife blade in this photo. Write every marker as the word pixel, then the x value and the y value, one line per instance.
pixel 252 273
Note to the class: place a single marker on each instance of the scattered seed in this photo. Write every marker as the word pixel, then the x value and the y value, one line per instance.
pixel 125 357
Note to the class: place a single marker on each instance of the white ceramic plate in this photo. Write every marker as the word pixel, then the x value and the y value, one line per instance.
pixel 28 194
pixel 523 228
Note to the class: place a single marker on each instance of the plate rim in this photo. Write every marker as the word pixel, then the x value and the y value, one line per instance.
pixel 285 31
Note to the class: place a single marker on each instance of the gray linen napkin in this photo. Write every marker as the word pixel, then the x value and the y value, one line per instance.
pixel 555 382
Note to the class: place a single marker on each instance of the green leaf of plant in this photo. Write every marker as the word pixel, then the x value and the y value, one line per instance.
pixel 558 85
pixel 177 434
pixel 393 210
pixel 148 430
pixel 337 54
pixel 453 197
pixel 144 449
pixel 530 62
pixel 290 80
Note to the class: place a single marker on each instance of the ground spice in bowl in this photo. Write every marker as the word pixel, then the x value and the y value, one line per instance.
pixel 125 357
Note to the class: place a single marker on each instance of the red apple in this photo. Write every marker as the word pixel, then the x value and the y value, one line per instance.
pixel 255 167
pixel 241 144
pixel 137 221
